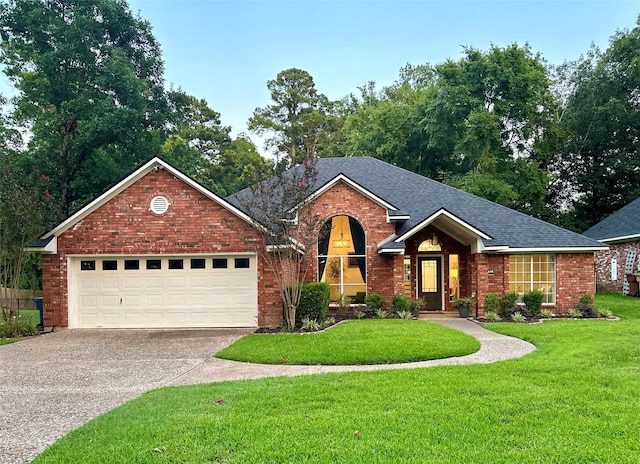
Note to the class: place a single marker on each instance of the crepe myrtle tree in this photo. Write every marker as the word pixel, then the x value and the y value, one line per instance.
pixel 278 201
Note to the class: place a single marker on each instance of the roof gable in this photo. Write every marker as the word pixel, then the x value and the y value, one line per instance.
pixel 622 225
pixel 153 164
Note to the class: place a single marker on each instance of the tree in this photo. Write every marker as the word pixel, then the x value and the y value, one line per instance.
pixel 301 121
pixel 276 199
pixel 90 82
pixel 599 166
pixel 493 115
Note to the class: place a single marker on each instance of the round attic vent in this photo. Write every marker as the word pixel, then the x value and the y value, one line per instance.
pixel 159 205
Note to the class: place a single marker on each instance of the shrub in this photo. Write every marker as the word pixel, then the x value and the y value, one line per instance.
pixel 518 317
pixel 17 327
pixel 507 304
pixel 310 325
pixel 585 306
pixel 314 302
pixel 344 302
pixel 491 303
pixel 603 312
pixel 547 314
pixel 381 313
pixel 533 302
pixel 375 301
pixel 399 303
pixel 360 314
pixel 576 313
pixel 402 314
pixel 492 316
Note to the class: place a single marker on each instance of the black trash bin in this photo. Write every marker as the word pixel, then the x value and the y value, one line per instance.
pixel 40 307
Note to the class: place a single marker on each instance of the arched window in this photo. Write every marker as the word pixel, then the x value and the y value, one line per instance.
pixel 342 261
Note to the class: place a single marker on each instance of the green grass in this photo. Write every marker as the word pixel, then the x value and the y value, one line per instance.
pixel 574 400
pixel 6 341
pixel 32 314
pixel 371 341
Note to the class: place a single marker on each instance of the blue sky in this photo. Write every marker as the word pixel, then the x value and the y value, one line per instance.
pixel 225 52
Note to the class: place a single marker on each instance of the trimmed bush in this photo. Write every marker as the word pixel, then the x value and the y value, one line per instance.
pixel 533 302
pixel 399 304
pixel 491 303
pixel 585 306
pixel 375 301
pixel 508 304
pixel 314 302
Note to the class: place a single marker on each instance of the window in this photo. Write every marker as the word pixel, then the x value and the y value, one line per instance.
pixel 197 263
pixel 131 264
pixel 533 272
pixel 454 278
pixel 87 265
pixel 154 264
pixel 110 265
pixel 614 269
pixel 219 263
pixel 242 263
pixel 176 264
pixel 407 276
pixel 342 257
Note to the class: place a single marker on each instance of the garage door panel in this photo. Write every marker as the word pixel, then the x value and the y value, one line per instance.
pixel 164 298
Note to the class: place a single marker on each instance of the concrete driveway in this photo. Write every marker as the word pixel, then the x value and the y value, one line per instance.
pixel 56 382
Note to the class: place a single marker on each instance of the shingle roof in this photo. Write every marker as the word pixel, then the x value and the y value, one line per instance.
pixel 623 223
pixel 421 197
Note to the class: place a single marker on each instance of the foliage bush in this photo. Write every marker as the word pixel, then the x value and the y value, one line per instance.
pixel 375 301
pixel 492 316
pixel 507 304
pixel 344 302
pixel 585 306
pixel 360 314
pixel 547 314
pixel 576 313
pixel 491 303
pixel 399 303
pixel 17 326
pixel 533 302
pixel 402 314
pixel 314 302
pixel 380 313
pixel 603 312
pixel 309 325
pixel 518 317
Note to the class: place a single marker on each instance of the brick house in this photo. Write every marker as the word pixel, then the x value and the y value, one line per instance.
pixel 621 232
pixel 158 250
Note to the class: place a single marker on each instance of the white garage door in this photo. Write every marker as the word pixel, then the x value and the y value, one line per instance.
pixel 164 292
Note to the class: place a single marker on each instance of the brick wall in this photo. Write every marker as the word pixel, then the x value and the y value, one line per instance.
pixel 574 277
pixel 384 273
pixel 125 225
pixel 603 265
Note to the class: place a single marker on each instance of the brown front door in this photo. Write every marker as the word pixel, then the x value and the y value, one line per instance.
pixel 430 281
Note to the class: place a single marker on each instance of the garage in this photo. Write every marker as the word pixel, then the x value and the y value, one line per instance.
pixel 194 291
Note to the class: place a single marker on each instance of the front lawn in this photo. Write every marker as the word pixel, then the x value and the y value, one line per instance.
pixel 574 400
pixel 370 341
pixel 6 341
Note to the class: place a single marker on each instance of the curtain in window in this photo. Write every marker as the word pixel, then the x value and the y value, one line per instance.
pixel 357 235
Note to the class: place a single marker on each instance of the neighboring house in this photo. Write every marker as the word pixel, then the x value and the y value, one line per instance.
pixel 159 250
pixel 621 231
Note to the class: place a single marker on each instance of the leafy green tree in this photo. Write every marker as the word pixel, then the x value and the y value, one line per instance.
pixel 301 122
pixel 599 167
pixel 90 81
pixel 493 115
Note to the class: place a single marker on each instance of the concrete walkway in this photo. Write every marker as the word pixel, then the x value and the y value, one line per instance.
pixel 493 347
pixel 54 383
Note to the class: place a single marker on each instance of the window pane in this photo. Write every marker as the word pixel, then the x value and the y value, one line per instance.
pixel 110 265
pixel 219 263
pixel 154 264
pixel 197 263
pixel 131 264
pixel 533 272
pixel 88 265
pixel 242 263
pixel 176 264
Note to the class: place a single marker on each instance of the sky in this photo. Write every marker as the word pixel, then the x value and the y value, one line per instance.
pixel 225 52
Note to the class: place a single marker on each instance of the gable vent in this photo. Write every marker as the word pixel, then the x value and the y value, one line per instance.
pixel 159 205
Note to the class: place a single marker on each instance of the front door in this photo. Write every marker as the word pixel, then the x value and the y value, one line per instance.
pixel 430 281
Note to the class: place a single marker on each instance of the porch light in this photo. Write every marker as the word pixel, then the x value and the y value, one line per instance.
pixel 434 239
